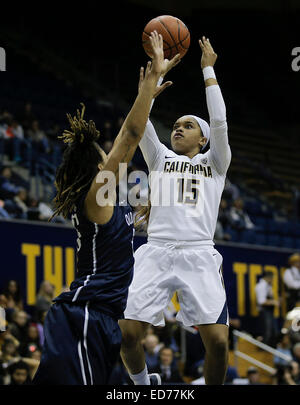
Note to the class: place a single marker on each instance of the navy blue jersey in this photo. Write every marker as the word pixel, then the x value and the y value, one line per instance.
pixel 104 261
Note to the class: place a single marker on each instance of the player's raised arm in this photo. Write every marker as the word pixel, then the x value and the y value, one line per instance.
pixel 131 131
pixel 219 146
pixel 150 144
pixel 134 125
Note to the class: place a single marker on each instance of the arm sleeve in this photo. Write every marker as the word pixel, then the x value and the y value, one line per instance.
pixel 150 145
pixel 219 146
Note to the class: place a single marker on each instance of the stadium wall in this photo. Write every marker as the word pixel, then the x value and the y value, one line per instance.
pixel 33 251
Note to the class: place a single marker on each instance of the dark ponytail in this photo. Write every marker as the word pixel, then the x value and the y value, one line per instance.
pixel 80 163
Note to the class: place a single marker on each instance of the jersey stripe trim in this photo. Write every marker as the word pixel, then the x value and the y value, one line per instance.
pixel 94 264
pixel 81 363
pixel 94 249
pixel 80 288
pixel 86 320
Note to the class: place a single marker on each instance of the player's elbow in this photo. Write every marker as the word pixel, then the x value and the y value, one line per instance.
pixel 218 121
pixel 133 132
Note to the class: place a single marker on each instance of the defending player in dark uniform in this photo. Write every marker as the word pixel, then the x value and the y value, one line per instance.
pixel 82 336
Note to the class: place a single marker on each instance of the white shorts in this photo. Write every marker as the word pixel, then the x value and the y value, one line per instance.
pixel 194 272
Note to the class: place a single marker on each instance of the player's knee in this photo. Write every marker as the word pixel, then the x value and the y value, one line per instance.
pixel 219 345
pixel 132 334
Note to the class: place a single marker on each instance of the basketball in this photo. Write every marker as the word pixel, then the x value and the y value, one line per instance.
pixel 175 35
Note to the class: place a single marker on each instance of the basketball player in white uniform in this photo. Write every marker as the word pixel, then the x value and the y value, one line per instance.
pixel 179 255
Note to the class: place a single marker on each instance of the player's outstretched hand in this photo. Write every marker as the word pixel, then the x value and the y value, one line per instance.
pixel 169 64
pixel 209 56
pixel 159 65
pixel 159 89
pixel 156 42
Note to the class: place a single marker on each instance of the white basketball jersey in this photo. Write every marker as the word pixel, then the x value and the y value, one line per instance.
pixel 185 193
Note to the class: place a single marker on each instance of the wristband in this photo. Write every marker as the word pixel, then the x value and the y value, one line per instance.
pixel 208 73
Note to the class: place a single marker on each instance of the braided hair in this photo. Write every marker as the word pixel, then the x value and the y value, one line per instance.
pixel 80 163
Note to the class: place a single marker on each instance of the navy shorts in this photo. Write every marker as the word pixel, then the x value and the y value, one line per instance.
pixel 81 346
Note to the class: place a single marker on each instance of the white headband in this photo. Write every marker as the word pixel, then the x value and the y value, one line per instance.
pixel 204 127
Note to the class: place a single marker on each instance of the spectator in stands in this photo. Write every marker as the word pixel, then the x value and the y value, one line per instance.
pixel 46 212
pixel 295 371
pixel 13 134
pixel 7 335
pixel 40 211
pixel 19 324
pixel 239 219
pixel 231 375
pixel 283 346
pixel 3 212
pixel 9 351
pixel 12 129
pixel 292 325
pixel 291 280
pixel 7 188
pixel 152 347
pixel 8 355
pixel 44 297
pixel 253 376
pixel 20 202
pixel 5 116
pixel 36 354
pixel 38 138
pixel 266 304
pixel 169 373
pixel 26 117
pixel 296 352
pixel 16 129
pixel 231 191
pixel 287 375
pixel 40 318
pixel 31 341
pixel 19 373
pixel 223 221
pixel 13 295
pixel 33 213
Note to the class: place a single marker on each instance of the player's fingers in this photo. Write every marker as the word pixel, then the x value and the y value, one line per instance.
pixel 155 38
pixel 165 85
pixel 148 68
pixel 161 41
pixel 174 61
pixel 201 44
pixel 161 88
pixel 152 39
pixel 205 43
pixel 141 74
pixel 141 78
pixel 209 45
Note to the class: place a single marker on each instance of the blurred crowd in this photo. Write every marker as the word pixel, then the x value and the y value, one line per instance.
pixel 26 144
pixel 175 352
pixel 22 338
pixel 30 141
